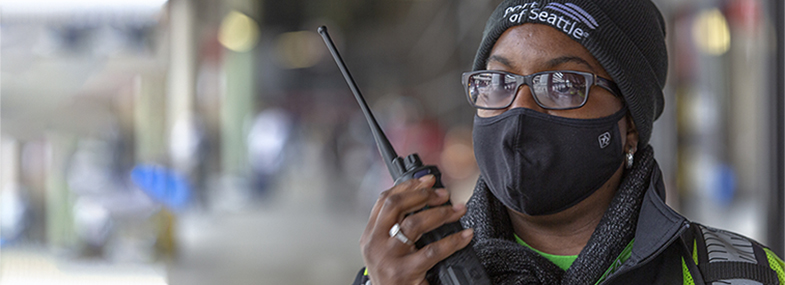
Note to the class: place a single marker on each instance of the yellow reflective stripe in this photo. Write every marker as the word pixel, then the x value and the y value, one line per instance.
pixel 776 264
pixel 366 272
pixel 695 251
pixel 623 256
pixel 686 276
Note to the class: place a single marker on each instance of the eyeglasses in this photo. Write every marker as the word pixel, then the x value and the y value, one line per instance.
pixel 553 90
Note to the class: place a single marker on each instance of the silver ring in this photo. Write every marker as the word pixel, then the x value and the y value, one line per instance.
pixel 396 232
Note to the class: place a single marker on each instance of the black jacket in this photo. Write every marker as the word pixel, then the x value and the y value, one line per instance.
pixel 668 249
pixel 667 246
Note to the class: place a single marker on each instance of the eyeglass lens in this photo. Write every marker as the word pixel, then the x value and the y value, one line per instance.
pixel 553 90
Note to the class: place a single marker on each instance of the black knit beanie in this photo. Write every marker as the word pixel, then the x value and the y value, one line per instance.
pixel 627 37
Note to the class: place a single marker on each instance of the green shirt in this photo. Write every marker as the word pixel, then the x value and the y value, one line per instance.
pixel 563 261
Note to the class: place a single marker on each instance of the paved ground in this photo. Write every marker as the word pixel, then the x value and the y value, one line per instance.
pixel 258 245
pixel 280 245
pixel 31 265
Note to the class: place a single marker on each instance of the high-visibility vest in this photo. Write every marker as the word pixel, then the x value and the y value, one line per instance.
pixel 723 257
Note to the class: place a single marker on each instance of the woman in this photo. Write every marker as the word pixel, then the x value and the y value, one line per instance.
pixel 566 94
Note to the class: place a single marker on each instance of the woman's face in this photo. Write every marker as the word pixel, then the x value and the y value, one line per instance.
pixel 532 48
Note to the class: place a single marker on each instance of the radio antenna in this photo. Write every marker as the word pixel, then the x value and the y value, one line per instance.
pixel 391 159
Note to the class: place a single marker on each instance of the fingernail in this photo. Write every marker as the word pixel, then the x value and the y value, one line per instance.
pixel 426 178
pixel 467 233
pixel 441 192
pixel 458 207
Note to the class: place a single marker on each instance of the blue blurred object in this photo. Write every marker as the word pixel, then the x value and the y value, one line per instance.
pixel 162 185
pixel 725 188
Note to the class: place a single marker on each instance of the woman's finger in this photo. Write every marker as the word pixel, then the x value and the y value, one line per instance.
pixel 397 204
pixel 380 202
pixel 427 220
pixel 437 251
pixel 406 185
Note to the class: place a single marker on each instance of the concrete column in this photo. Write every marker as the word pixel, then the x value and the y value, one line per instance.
pixel 238 101
pixel 181 83
pixel 59 199
pixel 149 113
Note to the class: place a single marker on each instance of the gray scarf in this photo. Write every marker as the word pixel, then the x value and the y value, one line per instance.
pixel 507 262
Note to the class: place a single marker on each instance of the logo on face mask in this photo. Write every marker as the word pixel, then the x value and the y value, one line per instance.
pixel 564 17
pixel 605 139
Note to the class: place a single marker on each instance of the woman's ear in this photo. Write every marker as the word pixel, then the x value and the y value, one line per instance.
pixel 632 136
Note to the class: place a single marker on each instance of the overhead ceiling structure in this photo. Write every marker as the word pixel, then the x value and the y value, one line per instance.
pixel 54 54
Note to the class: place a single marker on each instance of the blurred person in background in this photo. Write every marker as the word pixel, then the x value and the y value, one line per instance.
pixel 267 142
pixel 569 191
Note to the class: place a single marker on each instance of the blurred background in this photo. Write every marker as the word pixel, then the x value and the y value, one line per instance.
pixel 215 142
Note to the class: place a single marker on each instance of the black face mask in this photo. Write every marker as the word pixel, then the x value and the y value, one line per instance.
pixel 540 164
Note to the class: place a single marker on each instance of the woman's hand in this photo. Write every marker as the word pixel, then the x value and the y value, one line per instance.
pixel 391 261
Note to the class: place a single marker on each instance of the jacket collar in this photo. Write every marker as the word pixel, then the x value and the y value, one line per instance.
pixel 658 224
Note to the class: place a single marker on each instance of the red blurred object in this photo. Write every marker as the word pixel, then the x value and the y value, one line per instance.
pixel 745 14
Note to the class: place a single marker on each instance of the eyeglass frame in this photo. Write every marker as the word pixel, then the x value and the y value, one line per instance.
pixel 527 80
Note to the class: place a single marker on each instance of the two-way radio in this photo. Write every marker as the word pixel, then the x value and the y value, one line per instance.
pixel 463 266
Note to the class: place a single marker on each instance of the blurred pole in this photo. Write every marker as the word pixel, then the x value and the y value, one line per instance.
pixel 181 81
pixel 181 86
pixel 59 199
pixel 9 189
pixel 237 106
pixel 149 112
pixel 9 174
pixel 776 208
